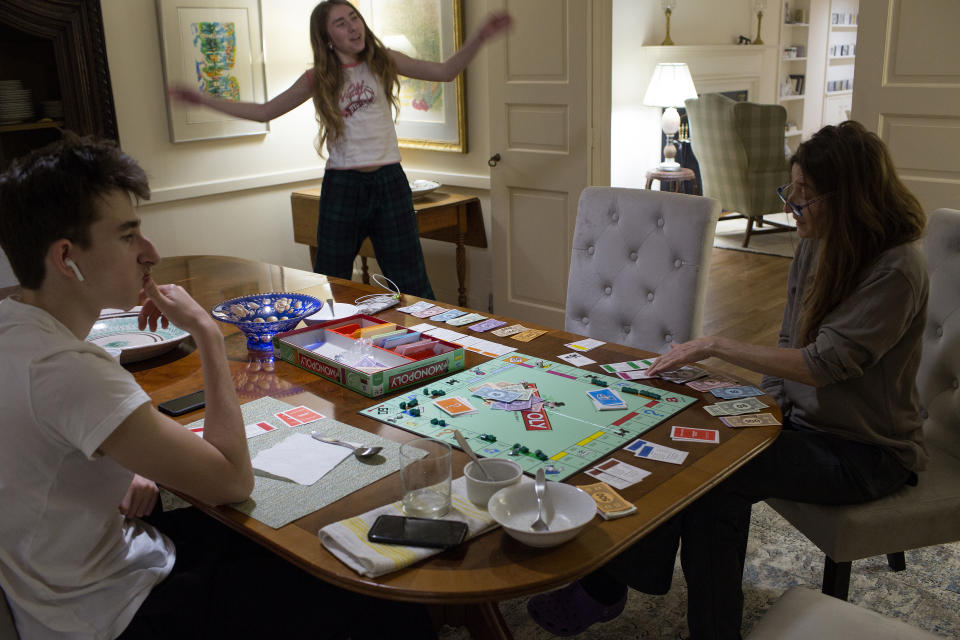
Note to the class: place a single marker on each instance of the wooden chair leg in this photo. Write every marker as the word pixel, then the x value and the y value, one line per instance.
pixel 836 578
pixel 364 270
pixel 746 238
pixel 897 561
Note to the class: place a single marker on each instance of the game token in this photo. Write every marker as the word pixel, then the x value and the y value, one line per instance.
pixel 524 449
pixel 403 405
pixel 630 390
pixel 415 413
pixel 442 423
pixel 541 455
pixel 489 437
pixel 598 382
pixel 650 394
pixel 426 391
pixel 434 421
pixel 412 403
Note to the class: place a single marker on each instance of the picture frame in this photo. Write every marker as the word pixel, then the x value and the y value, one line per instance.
pixel 215 46
pixel 432 114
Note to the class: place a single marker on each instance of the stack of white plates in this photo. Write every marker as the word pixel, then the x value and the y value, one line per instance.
pixel 52 109
pixel 16 103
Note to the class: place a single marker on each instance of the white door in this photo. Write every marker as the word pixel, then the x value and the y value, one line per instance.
pixel 548 113
pixel 907 90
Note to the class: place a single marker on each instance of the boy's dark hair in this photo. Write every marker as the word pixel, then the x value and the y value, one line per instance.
pixel 49 194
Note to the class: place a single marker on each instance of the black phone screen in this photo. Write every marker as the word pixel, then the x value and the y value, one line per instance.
pixel 183 404
pixel 417 532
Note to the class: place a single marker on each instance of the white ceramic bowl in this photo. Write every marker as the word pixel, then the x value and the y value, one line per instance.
pixel 479 489
pixel 566 508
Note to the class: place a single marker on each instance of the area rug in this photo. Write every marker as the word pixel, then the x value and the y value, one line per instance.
pixel 926 595
pixel 730 233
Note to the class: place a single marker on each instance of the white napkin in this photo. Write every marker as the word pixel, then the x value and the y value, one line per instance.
pixel 300 458
pixel 347 539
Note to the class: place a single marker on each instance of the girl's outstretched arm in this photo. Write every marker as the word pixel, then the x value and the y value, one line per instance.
pixel 298 93
pixel 452 66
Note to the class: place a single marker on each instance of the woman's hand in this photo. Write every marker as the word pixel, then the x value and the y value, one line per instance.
pixel 684 353
pixel 494 24
pixel 140 499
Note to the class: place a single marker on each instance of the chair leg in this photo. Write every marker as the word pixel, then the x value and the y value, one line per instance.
pixel 897 561
pixel 836 578
pixel 746 238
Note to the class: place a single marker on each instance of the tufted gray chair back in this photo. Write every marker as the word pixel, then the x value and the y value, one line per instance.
pixel 639 266
pixel 938 379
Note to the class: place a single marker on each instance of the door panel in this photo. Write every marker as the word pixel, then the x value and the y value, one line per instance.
pixel 907 88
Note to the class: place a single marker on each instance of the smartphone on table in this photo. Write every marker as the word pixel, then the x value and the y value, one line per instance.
pixel 183 404
pixel 417 532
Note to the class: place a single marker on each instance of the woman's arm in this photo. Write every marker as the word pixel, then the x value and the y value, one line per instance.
pixel 772 361
pixel 298 93
pixel 452 66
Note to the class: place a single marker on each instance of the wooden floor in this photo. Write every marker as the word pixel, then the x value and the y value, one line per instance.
pixel 745 297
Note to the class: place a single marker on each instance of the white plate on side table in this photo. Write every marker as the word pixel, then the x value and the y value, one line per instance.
pixel 121 332
pixel 420 188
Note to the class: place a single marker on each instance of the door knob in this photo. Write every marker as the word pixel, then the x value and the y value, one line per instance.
pixel 494 159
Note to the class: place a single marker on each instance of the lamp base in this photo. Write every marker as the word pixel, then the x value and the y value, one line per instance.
pixel 669 165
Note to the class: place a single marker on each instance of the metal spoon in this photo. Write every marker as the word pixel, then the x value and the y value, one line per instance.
pixel 360 452
pixel 466 448
pixel 540 485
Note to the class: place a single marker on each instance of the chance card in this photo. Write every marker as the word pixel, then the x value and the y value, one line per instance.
pixel 455 406
pixel 694 434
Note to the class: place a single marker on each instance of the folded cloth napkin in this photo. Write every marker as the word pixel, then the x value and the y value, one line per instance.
pixel 347 539
pixel 300 458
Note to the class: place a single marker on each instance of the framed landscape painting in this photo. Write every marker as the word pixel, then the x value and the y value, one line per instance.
pixel 432 114
pixel 216 47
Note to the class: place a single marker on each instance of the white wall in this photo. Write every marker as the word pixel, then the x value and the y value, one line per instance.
pixel 635 129
pixel 232 196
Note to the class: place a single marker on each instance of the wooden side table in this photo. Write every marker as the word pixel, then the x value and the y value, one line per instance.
pixel 448 217
pixel 673 179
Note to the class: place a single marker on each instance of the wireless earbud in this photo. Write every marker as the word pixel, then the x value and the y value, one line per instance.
pixel 73 265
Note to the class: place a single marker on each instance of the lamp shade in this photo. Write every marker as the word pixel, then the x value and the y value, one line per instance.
pixel 670 85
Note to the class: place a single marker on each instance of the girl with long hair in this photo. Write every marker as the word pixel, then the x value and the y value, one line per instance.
pixel 354 84
pixel 843 373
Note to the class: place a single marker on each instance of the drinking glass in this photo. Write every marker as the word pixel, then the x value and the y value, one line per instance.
pixel 425 471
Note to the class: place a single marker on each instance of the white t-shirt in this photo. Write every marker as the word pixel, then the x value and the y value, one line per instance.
pixel 71 565
pixel 369 136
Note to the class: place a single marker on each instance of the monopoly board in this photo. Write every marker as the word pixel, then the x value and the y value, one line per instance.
pixel 563 434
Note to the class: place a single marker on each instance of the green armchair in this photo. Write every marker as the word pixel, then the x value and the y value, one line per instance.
pixel 740 148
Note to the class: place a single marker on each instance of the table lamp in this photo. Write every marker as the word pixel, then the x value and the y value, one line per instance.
pixel 670 85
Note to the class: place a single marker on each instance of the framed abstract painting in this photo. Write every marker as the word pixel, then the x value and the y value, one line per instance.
pixel 216 47
pixel 432 114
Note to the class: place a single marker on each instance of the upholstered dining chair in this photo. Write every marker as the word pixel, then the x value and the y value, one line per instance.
pixel 740 148
pixel 639 266
pixel 929 513
pixel 801 614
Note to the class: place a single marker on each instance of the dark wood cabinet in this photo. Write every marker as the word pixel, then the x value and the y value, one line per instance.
pixel 56 48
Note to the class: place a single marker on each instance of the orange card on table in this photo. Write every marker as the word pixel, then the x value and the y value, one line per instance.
pixel 455 406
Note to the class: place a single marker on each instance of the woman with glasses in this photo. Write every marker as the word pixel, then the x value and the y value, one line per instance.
pixel 843 373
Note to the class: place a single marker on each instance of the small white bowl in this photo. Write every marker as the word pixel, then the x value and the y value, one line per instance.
pixel 479 489
pixel 566 508
pixel 340 310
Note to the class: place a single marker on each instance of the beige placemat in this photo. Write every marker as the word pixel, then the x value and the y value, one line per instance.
pixel 276 502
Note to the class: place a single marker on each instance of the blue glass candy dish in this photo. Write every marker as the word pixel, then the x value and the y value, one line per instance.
pixel 262 315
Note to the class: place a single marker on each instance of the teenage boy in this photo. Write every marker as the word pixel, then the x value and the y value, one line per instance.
pixel 79 438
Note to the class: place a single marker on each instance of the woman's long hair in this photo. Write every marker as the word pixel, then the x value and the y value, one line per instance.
pixel 868 211
pixel 328 72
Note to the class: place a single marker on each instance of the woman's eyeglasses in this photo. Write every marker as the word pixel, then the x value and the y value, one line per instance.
pixel 784 192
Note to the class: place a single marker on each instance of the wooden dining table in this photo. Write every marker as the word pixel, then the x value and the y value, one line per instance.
pixel 467 582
